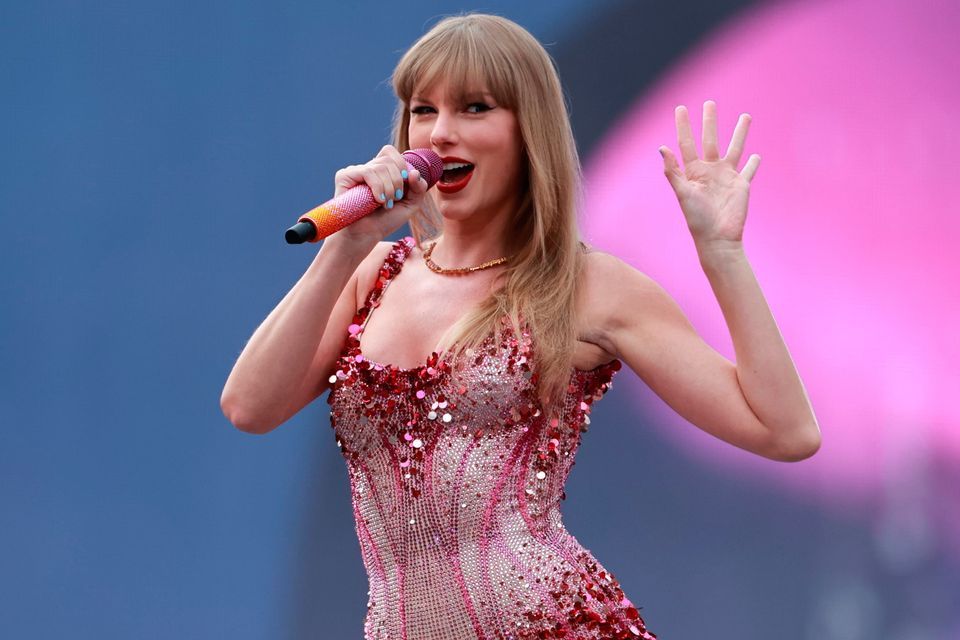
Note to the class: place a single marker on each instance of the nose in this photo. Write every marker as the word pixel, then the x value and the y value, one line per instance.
pixel 444 131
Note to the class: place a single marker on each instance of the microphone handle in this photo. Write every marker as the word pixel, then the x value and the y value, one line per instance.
pixel 357 201
pixel 333 215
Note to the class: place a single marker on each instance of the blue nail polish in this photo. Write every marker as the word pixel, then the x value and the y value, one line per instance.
pixel 389 204
pixel 399 193
pixel 383 196
pixel 404 174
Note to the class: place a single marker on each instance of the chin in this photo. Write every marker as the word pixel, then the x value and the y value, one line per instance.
pixel 453 211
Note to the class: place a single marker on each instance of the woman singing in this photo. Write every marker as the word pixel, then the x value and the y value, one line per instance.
pixel 462 362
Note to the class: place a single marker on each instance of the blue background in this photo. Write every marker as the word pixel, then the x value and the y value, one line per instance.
pixel 154 153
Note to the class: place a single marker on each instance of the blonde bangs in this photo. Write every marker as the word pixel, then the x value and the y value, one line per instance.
pixel 453 55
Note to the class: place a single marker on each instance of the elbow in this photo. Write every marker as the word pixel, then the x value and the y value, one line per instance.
pixel 801 449
pixel 241 420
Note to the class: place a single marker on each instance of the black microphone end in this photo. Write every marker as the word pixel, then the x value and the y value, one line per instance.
pixel 300 233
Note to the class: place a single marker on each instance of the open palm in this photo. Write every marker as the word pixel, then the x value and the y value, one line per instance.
pixel 712 193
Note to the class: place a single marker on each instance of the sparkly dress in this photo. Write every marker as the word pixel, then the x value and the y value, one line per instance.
pixel 456 488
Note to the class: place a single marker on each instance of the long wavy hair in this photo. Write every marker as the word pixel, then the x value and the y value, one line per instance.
pixel 540 282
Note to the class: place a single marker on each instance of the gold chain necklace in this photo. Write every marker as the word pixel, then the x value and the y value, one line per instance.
pixel 433 266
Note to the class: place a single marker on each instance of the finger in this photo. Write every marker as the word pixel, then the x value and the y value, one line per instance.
pixel 709 133
pixel 386 182
pixel 688 150
pixel 350 177
pixel 671 168
pixel 371 177
pixel 396 179
pixel 414 183
pixel 394 156
pixel 735 150
pixel 346 178
pixel 386 151
pixel 750 169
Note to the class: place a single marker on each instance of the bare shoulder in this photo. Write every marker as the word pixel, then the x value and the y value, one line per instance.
pixel 608 280
pixel 616 295
pixel 600 265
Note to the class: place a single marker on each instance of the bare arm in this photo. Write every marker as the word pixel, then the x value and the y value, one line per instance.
pixel 758 404
pixel 286 363
pixel 765 371
pixel 276 374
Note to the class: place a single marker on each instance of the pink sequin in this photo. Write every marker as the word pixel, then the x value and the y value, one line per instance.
pixel 456 481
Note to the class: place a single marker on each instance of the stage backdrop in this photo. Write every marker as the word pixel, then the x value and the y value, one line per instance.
pixel 154 153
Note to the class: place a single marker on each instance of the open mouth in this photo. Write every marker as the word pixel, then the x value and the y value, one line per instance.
pixel 457 172
pixel 455 176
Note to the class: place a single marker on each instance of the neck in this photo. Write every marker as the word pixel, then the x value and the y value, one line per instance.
pixel 467 243
pixel 455 252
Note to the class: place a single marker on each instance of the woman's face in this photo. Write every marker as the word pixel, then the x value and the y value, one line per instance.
pixel 481 147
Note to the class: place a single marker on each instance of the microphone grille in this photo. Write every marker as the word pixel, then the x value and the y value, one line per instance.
pixel 427 162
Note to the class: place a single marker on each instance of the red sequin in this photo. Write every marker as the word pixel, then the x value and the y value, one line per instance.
pixel 456 480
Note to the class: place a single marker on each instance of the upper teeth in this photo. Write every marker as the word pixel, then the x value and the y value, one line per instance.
pixel 447 166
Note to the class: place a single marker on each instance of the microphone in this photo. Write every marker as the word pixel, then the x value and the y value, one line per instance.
pixel 356 202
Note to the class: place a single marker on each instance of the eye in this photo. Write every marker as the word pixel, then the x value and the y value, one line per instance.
pixel 478 107
pixel 420 110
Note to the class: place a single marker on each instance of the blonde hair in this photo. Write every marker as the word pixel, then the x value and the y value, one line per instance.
pixel 505 59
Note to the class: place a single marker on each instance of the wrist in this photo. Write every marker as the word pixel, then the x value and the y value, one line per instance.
pixel 720 252
pixel 346 249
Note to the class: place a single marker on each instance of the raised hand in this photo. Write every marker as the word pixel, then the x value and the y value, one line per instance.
pixel 712 193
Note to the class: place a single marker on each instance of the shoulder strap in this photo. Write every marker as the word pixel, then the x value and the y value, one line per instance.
pixel 388 271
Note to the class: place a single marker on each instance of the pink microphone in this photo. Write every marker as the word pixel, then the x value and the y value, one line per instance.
pixel 356 202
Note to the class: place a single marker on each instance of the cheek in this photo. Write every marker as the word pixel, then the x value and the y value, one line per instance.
pixel 418 137
pixel 513 159
pixel 512 146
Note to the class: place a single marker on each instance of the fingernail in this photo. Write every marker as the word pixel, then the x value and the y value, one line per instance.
pixel 399 193
pixel 383 196
pixel 404 174
pixel 389 204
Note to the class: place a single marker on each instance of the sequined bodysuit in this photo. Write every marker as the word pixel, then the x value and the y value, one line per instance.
pixel 456 484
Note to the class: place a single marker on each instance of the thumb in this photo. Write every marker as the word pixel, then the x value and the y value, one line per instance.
pixel 671 168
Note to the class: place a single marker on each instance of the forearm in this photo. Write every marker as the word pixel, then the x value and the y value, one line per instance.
pixel 766 372
pixel 278 356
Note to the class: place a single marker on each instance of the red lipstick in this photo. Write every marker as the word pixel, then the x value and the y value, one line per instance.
pixel 455 186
